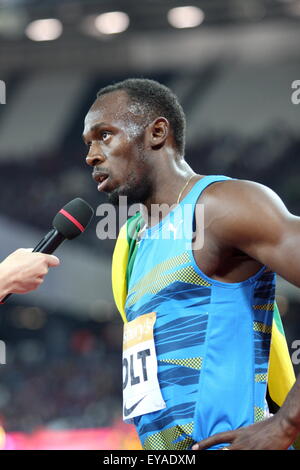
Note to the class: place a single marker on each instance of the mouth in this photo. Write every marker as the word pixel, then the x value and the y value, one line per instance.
pixel 101 179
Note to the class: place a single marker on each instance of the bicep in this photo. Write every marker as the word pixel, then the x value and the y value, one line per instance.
pixel 256 221
pixel 281 253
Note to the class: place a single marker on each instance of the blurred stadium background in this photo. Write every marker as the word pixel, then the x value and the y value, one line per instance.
pixel 232 63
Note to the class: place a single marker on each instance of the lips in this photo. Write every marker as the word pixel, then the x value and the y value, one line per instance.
pixel 101 179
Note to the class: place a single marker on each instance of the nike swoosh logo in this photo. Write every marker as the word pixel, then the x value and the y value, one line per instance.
pixel 128 411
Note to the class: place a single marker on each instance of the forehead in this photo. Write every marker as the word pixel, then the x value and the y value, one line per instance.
pixel 111 108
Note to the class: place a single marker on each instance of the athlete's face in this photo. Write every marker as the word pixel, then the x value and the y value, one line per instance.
pixel 116 140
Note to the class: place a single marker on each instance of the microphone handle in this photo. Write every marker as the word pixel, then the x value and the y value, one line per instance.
pixel 47 245
pixel 43 241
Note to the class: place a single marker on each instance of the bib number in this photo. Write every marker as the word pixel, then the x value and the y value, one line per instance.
pixel 141 391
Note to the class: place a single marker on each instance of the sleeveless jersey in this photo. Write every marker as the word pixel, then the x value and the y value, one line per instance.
pixel 212 338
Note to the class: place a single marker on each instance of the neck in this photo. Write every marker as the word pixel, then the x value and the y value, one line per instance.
pixel 168 185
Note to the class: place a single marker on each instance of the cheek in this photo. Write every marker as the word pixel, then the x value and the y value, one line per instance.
pixel 123 163
pixel 120 171
pixel 126 163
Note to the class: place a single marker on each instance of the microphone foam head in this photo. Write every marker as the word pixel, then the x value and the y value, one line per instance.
pixel 73 218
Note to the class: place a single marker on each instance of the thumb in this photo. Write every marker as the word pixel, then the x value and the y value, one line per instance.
pixel 52 260
pixel 221 438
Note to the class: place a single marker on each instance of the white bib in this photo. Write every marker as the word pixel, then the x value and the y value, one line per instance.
pixel 141 391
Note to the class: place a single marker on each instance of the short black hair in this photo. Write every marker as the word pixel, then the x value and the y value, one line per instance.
pixel 157 100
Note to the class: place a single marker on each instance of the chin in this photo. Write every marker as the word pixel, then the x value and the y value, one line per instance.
pixel 115 195
pixel 132 198
pixel 137 192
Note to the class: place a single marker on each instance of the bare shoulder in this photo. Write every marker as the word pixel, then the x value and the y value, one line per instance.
pixel 241 195
pixel 236 191
pixel 238 209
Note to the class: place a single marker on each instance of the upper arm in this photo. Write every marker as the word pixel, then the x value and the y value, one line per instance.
pixel 252 218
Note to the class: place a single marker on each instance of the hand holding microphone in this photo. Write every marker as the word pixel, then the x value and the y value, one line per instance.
pixel 24 270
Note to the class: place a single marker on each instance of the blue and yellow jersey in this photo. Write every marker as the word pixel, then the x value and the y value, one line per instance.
pixel 212 338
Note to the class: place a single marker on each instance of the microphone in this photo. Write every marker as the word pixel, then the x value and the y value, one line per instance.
pixel 69 223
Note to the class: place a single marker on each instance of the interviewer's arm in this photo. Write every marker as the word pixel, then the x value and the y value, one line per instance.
pixel 23 271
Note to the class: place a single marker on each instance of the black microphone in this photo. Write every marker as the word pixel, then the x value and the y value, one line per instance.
pixel 69 223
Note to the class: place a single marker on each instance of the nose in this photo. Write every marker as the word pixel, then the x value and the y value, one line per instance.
pixel 94 159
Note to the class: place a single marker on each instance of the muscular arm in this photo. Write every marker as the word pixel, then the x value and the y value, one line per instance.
pixel 253 219
pixel 250 217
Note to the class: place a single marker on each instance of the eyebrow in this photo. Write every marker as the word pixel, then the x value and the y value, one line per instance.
pixel 94 128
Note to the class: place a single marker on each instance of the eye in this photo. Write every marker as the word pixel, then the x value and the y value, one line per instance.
pixel 105 135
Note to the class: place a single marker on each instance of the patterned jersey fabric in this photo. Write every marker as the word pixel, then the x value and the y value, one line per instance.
pixel 212 338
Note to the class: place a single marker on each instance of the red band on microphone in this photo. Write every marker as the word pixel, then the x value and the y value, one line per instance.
pixel 72 219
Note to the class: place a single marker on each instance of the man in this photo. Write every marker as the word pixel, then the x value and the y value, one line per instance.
pixel 23 271
pixel 198 316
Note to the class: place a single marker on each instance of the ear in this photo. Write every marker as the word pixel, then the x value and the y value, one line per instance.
pixel 158 130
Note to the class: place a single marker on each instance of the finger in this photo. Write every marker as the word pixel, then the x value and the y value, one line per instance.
pixel 23 250
pixel 37 283
pixel 52 260
pixel 222 437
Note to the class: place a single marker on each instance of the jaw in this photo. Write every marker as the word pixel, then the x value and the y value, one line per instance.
pixel 137 192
